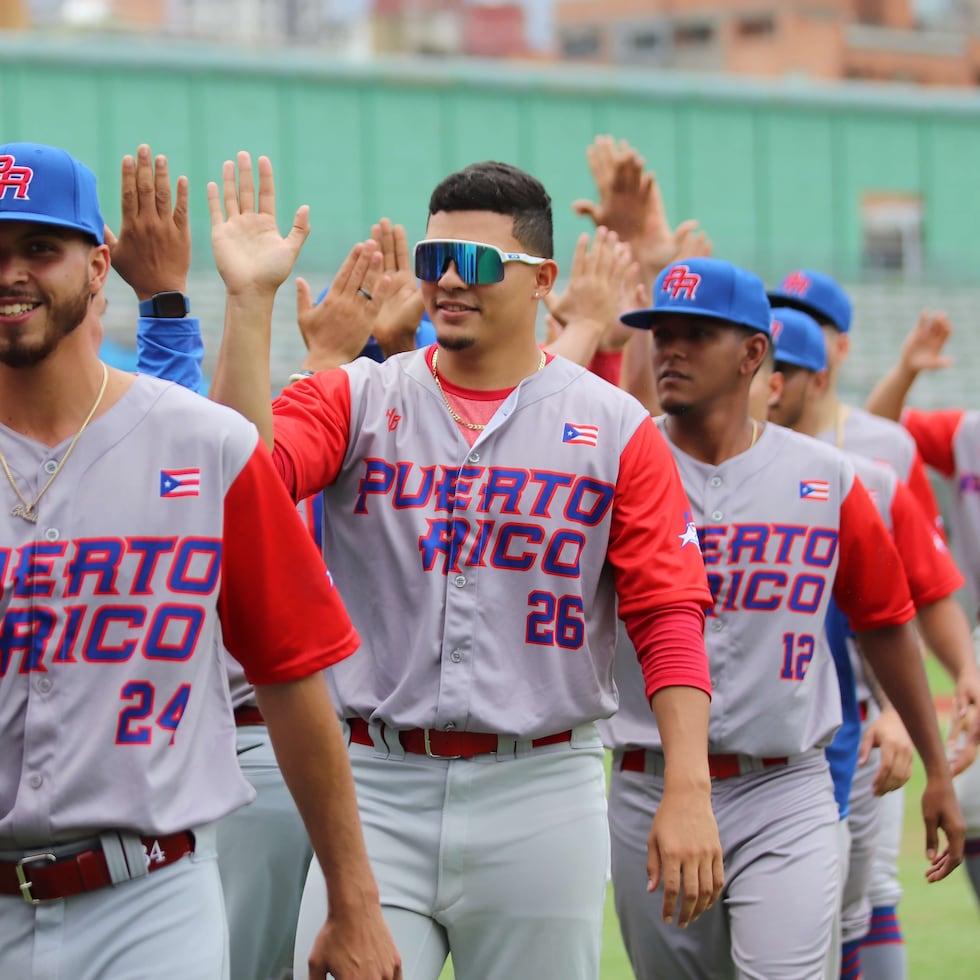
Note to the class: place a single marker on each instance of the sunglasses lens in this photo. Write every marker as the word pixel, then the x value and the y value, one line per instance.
pixel 477 265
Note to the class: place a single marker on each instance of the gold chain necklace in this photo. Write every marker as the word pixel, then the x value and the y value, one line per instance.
pixel 29 510
pixel 456 418
pixel 755 432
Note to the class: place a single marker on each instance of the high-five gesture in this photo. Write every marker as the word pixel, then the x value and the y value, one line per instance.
pixel 153 250
pixel 250 253
pixel 631 205
pixel 401 311
pixel 336 329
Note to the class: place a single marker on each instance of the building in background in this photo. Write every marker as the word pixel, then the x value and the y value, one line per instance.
pixel 350 27
pixel 930 42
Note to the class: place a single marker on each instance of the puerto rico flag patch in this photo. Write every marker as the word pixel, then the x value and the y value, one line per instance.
pixel 814 490
pixel 180 483
pixel 580 435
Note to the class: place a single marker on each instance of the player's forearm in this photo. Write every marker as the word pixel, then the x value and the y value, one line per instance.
pixel 888 396
pixel 241 376
pixel 578 341
pixel 946 632
pixel 313 758
pixel 637 371
pixel 682 719
pixel 893 654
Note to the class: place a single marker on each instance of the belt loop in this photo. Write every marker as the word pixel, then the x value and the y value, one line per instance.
pixel 386 742
pixel 125 855
pixel 586 736
pixel 510 748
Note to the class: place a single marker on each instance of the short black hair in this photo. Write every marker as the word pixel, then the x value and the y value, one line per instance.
pixel 502 189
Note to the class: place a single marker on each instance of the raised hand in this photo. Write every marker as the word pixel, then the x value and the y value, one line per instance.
pixel 922 347
pixel 153 250
pixel 336 329
pixel 589 307
pixel 631 204
pixel 250 253
pixel 624 190
pixel 400 313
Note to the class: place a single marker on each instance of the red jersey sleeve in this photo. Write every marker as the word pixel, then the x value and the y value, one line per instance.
pixel 654 553
pixel 933 433
pixel 921 488
pixel 281 616
pixel 870 587
pixel 608 365
pixel 931 572
pixel 311 422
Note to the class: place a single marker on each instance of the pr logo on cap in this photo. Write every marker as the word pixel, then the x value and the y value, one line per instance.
pixel 12 177
pixel 796 283
pixel 681 281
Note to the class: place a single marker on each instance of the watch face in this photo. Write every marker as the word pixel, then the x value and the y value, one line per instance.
pixel 171 304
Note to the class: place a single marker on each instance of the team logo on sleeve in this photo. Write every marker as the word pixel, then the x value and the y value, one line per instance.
pixel 180 483
pixel 690 535
pixel 814 490
pixel 580 435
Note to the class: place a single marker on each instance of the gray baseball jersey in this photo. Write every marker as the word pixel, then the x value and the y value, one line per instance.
pixel 782 527
pixel 886 442
pixel 508 553
pixel 147 552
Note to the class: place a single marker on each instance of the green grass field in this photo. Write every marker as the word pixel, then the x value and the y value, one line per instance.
pixel 941 921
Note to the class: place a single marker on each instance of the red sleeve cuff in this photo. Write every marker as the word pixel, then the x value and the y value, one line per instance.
pixel 669 642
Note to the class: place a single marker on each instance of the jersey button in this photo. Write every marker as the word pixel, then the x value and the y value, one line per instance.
pixel 52 534
pixel 717 626
pixel 450 726
pixel 716 515
pixel 473 458
pixel 34 780
pixel 716 481
pixel 456 657
pixel 43 685
pixel 50 466
pixel 459 581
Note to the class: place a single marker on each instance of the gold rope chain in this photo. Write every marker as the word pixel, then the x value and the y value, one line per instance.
pixel 29 510
pixel 476 427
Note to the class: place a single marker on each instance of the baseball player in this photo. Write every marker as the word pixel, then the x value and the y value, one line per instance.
pixel 262 893
pixel 882 440
pixel 129 550
pixel 783 524
pixel 947 440
pixel 933 581
pixel 484 506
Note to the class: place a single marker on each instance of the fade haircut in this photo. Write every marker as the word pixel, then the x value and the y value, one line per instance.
pixel 502 189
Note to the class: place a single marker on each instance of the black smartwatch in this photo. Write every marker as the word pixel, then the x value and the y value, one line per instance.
pixel 170 305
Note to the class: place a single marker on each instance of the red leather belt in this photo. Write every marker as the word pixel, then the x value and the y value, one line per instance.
pixel 863 710
pixel 248 714
pixel 720 766
pixel 445 745
pixel 42 877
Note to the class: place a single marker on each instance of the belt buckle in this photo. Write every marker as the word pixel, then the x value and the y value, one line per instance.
pixel 428 748
pixel 25 885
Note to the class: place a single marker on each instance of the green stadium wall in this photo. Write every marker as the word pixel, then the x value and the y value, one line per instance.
pixel 775 173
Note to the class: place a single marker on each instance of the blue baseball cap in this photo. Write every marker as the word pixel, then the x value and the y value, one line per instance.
pixel 48 185
pixel 797 339
pixel 814 293
pixel 709 288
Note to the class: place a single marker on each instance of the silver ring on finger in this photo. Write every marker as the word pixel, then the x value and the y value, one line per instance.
pixel 365 293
